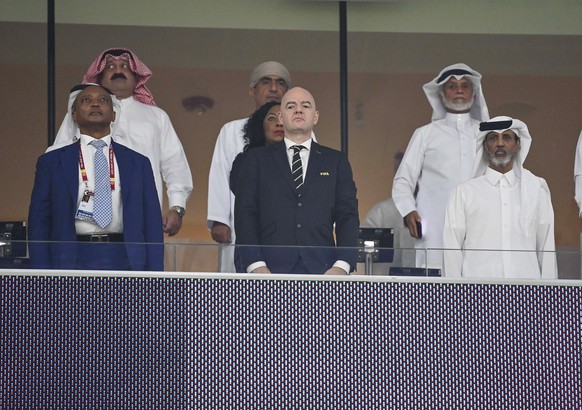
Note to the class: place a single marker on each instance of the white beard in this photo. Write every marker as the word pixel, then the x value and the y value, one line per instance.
pixel 500 162
pixel 459 106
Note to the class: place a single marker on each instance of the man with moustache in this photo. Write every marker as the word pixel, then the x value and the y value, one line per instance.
pixel 94 190
pixel 268 82
pixel 142 127
pixel 439 156
pixel 295 195
pixel 501 224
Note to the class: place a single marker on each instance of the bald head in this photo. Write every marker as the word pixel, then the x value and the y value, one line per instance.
pixel 298 114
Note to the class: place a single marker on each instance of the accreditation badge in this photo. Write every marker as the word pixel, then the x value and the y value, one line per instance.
pixel 85 210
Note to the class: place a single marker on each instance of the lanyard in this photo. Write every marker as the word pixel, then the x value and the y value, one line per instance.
pixel 111 168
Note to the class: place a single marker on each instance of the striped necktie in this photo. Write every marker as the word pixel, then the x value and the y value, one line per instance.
pixel 296 166
pixel 102 205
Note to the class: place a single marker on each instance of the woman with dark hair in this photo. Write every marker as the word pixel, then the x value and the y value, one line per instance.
pixel 262 128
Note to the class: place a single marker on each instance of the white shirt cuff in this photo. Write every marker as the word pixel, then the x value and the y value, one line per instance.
pixel 342 265
pixel 255 265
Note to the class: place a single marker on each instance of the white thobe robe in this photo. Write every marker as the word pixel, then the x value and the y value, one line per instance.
pixel 148 130
pixel 484 233
pixel 229 144
pixel 439 156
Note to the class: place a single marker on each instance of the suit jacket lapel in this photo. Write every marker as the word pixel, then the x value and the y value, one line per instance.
pixel 314 166
pixel 69 162
pixel 282 162
pixel 125 167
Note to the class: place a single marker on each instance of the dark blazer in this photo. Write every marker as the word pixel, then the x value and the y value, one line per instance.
pixel 236 172
pixel 54 202
pixel 269 210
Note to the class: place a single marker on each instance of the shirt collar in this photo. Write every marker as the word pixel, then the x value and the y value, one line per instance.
pixel 289 143
pixel 494 177
pixel 452 117
pixel 86 139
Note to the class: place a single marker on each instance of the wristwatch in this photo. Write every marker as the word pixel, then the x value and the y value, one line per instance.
pixel 179 210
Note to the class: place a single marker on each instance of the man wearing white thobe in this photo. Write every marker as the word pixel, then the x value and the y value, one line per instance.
pixel 501 224
pixel 141 126
pixel 439 156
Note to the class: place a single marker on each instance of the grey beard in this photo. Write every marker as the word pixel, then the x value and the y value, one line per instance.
pixel 500 162
pixel 458 106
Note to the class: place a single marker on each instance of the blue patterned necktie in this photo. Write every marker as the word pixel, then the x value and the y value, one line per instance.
pixel 296 166
pixel 102 206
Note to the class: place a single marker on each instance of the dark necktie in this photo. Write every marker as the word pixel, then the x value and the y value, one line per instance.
pixel 296 166
pixel 102 205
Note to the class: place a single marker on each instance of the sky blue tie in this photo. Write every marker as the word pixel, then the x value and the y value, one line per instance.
pixel 102 206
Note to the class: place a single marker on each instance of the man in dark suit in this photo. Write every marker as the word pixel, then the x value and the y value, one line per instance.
pixel 64 215
pixel 292 195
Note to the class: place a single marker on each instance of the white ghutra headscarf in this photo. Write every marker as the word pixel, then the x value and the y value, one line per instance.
pixel 70 128
pixel 530 184
pixel 433 89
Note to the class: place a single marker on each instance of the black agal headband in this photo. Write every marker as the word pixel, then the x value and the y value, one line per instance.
pixel 448 73
pixel 495 125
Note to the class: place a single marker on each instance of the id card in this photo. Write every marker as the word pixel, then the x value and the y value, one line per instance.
pixel 85 211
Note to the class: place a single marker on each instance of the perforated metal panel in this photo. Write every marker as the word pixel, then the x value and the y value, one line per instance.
pixel 129 342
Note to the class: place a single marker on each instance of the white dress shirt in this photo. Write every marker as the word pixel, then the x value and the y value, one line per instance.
pixel 303 154
pixel 84 227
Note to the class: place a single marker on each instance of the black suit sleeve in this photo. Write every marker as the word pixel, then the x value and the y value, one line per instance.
pixel 246 209
pixel 346 219
pixel 236 172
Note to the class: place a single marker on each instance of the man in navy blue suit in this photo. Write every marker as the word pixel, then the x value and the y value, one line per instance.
pixel 67 227
pixel 293 194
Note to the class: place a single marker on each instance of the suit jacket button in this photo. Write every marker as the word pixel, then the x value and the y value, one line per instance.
pixel 298 225
pixel 299 204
